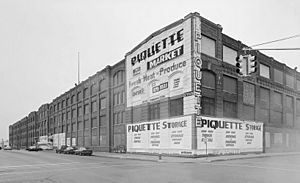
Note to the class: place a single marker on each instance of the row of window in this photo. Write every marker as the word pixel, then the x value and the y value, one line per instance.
pixel 119 98
pixel 80 95
pixel 81 110
pixel 118 78
pixel 229 56
pixel 119 117
pixel 81 125
pixel 175 109
pixel 268 113
pixel 278 76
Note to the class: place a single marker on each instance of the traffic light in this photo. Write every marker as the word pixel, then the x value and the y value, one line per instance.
pixel 252 64
pixel 240 65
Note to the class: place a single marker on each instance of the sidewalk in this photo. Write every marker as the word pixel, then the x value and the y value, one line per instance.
pixel 169 159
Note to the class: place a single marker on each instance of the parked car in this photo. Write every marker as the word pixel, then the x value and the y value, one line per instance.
pixel 7 148
pixel 34 148
pixel 83 151
pixel 61 149
pixel 69 150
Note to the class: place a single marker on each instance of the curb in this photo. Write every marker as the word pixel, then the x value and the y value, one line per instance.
pixel 236 158
pixel 126 158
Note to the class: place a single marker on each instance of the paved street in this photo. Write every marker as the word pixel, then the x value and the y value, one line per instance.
pixel 23 166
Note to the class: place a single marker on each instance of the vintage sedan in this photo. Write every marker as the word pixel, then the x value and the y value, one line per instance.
pixel 61 149
pixel 83 151
pixel 69 150
pixel 7 148
pixel 34 148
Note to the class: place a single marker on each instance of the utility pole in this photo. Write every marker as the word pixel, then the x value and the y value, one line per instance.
pixel 78 66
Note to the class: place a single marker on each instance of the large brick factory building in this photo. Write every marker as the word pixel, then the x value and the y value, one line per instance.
pixel 177 92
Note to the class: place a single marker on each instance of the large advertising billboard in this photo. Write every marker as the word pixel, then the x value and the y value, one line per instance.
pixel 162 136
pixel 223 136
pixel 160 67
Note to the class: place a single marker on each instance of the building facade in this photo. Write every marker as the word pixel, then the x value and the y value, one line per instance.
pixel 176 92
pixel 31 129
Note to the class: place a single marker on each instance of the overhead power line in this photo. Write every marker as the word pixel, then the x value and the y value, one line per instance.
pixel 276 40
pixel 248 49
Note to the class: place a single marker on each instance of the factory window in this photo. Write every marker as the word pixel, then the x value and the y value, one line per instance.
pixel 102 103
pixel 208 106
pixel 298 85
pixel 94 123
pixel 68 128
pixel 249 93
pixel 289 111
pixel 86 109
pixel 79 125
pixel 63 117
pixel 116 99
pixel 116 118
pixel 79 96
pixel 176 107
pixel 230 84
pixel 74 127
pixel 118 78
pixel 101 85
pixel 276 112
pixel 208 79
pixel 94 106
pixel 87 124
pixel 229 55
pixel 229 109
pixel 122 100
pixel 85 93
pixel 73 113
pixel 73 99
pixel 79 111
pixel 154 111
pixel 264 71
pixel 289 80
pixel 102 120
pixel 68 115
pixel 277 99
pixel 278 76
pixel 67 102
pixel 297 121
pixel 208 46
pixel 93 89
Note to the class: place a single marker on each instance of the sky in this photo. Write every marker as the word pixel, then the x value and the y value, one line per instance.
pixel 40 39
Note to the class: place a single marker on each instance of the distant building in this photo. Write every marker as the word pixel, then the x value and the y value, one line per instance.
pixel 173 93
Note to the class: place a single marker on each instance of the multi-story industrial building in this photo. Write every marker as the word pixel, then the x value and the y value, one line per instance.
pixel 178 92
pixel 10 139
pixel 31 128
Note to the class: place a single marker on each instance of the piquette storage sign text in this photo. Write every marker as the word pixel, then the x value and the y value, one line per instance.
pixel 154 136
pixel 161 66
pixel 229 135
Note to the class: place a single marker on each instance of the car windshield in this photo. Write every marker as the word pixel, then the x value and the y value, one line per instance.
pixel 82 148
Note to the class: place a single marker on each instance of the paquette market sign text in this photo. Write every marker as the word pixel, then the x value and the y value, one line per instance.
pixel 158 47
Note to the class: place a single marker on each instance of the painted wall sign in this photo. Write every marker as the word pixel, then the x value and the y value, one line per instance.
pixel 229 135
pixel 170 135
pixel 159 67
pixel 197 61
